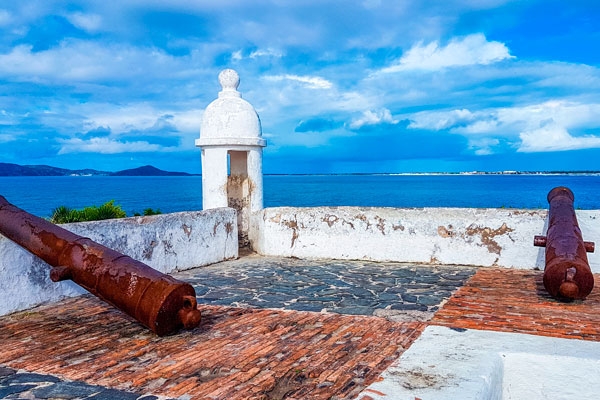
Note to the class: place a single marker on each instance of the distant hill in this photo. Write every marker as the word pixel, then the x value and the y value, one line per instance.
pixel 7 169
pixel 148 170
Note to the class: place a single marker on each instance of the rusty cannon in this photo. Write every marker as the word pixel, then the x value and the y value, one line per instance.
pixel 567 274
pixel 158 301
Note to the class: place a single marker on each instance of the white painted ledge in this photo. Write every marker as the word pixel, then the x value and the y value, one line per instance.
pixel 465 236
pixel 446 364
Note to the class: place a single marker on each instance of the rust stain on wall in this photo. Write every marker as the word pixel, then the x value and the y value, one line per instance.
pixel 149 250
pixel 228 228
pixel 380 224
pixel 446 232
pixel 488 234
pixel 363 218
pixel 330 219
pixel 293 225
pixel 187 230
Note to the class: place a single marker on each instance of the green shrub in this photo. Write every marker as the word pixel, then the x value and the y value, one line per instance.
pixel 63 215
pixel 148 211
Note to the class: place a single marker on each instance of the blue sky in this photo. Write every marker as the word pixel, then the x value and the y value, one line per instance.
pixel 340 86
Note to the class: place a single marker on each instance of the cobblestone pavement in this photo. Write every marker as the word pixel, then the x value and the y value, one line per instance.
pixel 23 385
pixel 399 292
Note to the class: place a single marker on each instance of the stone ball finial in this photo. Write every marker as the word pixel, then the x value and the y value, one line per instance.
pixel 229 79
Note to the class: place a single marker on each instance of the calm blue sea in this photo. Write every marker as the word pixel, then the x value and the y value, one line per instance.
pixel 40 195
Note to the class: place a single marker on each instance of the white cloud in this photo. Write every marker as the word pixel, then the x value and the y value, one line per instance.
pixel 479 127
pixel 81 61
pixel 569 114
pixel 312 82
pixel 370 4
pixel 540 127
pixel 469 50
pixel 120 119
pixel 551 136
pixel 5 138
pixel 508 121
pixel 106 146
pixel 373 118
pixel 438 120
pixel 266 53
pixel 139 117
pixel 5 18
pixel 483 146
pixel 236 55
pixel 88 22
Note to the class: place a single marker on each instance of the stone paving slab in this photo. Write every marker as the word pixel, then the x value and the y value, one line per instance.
pixel 23 385
pixel 399 292
pixel 516 301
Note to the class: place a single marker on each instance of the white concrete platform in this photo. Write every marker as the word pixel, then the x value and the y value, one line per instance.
pixel 469 364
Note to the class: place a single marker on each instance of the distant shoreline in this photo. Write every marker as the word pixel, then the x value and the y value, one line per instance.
pixel 7 169
pixel 536 173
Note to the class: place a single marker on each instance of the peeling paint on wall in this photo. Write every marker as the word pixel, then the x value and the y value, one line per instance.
pixel 187 230
pixel 147 254
pixel 482 237
pixel 330 219
pixel 293 225
pixel 446 232
pixel 487 236
pixel 380 224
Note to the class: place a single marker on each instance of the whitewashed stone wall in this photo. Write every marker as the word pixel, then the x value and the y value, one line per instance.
pixel 167 243
pixel 481 237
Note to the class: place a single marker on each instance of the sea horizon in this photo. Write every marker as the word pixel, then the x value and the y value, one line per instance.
pixel 39 195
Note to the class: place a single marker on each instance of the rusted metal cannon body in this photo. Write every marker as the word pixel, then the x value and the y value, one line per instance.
pixel 567 274
pixel 158 301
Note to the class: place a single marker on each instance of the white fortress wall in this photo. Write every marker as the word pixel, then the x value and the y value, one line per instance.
pixel 167 243
pixel 467 236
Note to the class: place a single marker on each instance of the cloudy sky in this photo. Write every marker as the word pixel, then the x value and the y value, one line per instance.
pixel 340 86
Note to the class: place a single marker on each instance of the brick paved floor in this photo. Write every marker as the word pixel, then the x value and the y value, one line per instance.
pixel 516 301
pixel 254 353
pixel 235 353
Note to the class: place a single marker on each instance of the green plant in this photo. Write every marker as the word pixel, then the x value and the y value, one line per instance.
pixel 63 215
pixel 108 210
pixel 148 211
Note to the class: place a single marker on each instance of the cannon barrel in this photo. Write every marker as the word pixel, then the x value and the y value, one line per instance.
pixel 567 274
pixel 158 301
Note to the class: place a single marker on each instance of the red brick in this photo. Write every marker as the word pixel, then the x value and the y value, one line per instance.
pixel 112 350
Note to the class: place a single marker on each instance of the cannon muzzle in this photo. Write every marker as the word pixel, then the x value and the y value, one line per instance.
pixel 567 274
pixel 158 301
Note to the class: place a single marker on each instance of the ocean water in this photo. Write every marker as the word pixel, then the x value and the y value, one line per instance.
pixel 40 195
